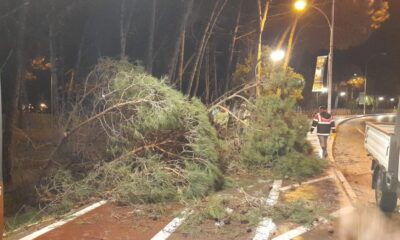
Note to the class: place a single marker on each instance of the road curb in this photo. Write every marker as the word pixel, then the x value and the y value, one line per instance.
pixel 339 175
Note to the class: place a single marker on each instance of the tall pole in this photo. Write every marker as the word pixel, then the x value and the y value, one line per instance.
pixel 330 64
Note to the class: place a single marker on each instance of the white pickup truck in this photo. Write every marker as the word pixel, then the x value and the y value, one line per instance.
pixel 382 142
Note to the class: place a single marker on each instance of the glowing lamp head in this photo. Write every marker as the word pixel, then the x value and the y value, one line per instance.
pixel 342 94
pixel 300 5
pixel 381 99
pixel 277 55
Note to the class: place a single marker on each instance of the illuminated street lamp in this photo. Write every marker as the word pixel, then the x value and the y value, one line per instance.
pixel 277 55
pixel 300 5
pixel 381 99
pixel 392 99
pixel 342 94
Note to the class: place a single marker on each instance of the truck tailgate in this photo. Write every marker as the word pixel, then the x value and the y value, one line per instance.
pixel 377 141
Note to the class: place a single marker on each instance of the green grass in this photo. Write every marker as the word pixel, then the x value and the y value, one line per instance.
pixel 28 216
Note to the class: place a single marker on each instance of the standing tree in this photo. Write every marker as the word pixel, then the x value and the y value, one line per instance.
pixel 232 48
pixel 263 9
pixel 127 7
pixel 180 43
pixel 208 31
pixel 149 60
pixel 12 120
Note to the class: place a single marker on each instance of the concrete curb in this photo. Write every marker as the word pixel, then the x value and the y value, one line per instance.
pixel 339 175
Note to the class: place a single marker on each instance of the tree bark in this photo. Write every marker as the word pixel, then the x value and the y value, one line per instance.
pixel 12 121
pixel 149 59
pixel 182 29
pixel 263 15
pixel 232 48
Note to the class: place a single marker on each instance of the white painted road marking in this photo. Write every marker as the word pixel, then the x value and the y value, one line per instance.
pixel 172 226
pixel 264 229
pixel 266 226
pixel 62 222
pixel 274 193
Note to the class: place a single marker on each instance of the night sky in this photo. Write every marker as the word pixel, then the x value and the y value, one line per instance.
pixel 383 71
pixel 95 24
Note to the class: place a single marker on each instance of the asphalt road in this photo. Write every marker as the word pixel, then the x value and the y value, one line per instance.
pixel 352 158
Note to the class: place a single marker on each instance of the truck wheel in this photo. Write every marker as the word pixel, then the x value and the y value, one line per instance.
pixel 386 200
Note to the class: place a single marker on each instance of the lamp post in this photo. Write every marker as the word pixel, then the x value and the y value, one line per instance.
pixel 301 5
pixel 366 77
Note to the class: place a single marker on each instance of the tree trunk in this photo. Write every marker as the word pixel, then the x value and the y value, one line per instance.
pixel 12 121
pixel 207 77
pixel 54 68
pixel 182 29
pixel 149 59
pixel 182 60
pixel 232 48
pixel 125 24
pixel 263 15
pixel 215 73
pixel 290 44
pixel 218 8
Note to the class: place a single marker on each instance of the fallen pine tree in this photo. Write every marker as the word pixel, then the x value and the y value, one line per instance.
pixel 133 139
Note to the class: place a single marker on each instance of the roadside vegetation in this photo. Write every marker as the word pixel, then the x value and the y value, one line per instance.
pixel 133 139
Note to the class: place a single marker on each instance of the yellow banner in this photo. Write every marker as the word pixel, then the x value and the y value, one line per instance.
pixel 318 85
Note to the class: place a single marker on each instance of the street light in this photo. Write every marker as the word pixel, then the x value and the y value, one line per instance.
pixel 381 99
pixel 366 76
pixel 342 94
pixel 277 55
pixel 300 5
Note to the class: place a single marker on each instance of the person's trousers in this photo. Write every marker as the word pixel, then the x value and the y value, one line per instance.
pixel 323 141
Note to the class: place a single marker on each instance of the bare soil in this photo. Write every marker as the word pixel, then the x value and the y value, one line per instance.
pixel 112 222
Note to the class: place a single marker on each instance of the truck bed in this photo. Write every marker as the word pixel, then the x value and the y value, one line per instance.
pixel 377 141
pixel 387 128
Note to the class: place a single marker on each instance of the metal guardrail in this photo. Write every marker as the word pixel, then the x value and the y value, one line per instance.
pixel 347 112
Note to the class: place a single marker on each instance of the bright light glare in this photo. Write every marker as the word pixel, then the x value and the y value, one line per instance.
pixel 392 99
pixel 277 55
pixel 300 5
pixel 342 94
pixel 381 98
pixel 324 90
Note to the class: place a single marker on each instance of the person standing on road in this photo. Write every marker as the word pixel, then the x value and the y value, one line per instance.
pixel 325 125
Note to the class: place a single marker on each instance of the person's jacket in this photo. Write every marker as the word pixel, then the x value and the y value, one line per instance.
pixel 324 123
